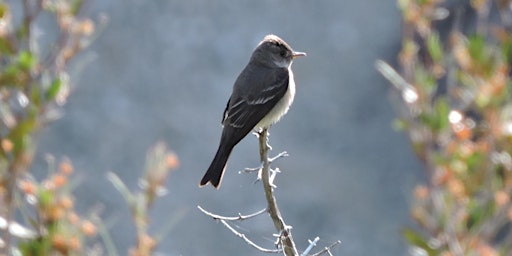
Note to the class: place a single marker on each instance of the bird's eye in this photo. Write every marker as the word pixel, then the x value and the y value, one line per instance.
pixel 282 53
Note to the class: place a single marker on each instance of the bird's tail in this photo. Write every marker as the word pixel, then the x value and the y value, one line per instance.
pixel 217 167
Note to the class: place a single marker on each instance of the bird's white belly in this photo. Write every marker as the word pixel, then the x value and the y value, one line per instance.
pixel 281 107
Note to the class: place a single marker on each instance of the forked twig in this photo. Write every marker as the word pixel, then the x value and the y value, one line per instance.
pixel 247 240
pixel 239 217
pixel 224 220
pixel 327 249
pixel 284 241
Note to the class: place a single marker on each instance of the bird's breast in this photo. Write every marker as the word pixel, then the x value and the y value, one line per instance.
pixel 281 106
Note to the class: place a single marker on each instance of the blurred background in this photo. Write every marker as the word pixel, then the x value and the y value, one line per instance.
pixel 163 70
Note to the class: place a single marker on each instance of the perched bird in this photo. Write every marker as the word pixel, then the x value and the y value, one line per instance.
pixel 262 94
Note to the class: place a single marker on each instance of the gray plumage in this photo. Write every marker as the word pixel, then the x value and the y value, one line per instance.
pixel 261 95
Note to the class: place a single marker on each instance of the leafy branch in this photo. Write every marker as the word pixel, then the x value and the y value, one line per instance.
pixel 34 84
pixel 455 106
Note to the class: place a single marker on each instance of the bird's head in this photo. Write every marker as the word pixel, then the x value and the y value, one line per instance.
pixel 274 52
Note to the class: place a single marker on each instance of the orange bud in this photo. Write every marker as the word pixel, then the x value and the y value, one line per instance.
pixel 421 192
pixel 7 145
pixel 60 244
pixel 487 250
pixel 456 187
pixel 66 203
pixel 446 253
pixel 501 198
pixel 75 243
pixel 148 242
pixel 66 167
pixel 59 180
pixel 172 161
pixel 28 187
pixel 88 228
pixel 73 218
pixel 56 213
pixel 87 27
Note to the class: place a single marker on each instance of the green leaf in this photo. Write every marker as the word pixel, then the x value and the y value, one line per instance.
pixel 475 214
pixel 477 48
pixel 45 198
pixel 414 238
pixel 442 110
pixel 434 47
pixel 437 120
pixel 483 55
pixel 20 135
pixel 11 75
pixel 26 60
pixel 38 246
pixel 425 79
pixel 4 9
pixel 475 161
pixel 399 124
pixel 506 49
pixel 76 6
pixel 5 46
pixel 54 89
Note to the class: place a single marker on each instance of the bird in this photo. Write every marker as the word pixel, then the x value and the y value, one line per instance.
pixel 262 94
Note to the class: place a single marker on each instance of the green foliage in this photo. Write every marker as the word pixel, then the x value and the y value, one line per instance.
pixel 29 88
pixel 54 89
pixel 159 163
pixel 434 47
pixel 419 241
pixel 462 135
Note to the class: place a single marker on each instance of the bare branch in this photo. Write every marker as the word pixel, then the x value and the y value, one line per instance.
pixel 239 217
pixel 282 154
pixel 312 244
pixel 285 239
pixel 327 249
pixel 250 170
pixel 247 240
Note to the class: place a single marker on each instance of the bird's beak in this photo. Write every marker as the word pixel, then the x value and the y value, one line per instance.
pixel 298 54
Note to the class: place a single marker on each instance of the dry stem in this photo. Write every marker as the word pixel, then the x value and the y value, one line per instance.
pixel 285 236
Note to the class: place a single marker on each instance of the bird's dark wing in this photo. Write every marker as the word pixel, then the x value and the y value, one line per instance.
pixel 259 97
pixel 225 114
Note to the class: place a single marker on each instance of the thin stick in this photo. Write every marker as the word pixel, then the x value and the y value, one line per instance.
pixel 285 238
pixel 247 240
pixel 239 217
pixel 312 244
pixel 327 249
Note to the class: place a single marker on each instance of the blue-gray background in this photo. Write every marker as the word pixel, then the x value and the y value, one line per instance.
pixel 163 70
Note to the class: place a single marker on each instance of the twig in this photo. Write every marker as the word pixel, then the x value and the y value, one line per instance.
pixel 29 16
pixel 16 166
pixel 327 249
pixel 312 244
pixel 12 178
pixel 285 239
pixel 282 154
pixel 239 217
pixel 224 220
pixel 250 170
pixel 247 240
